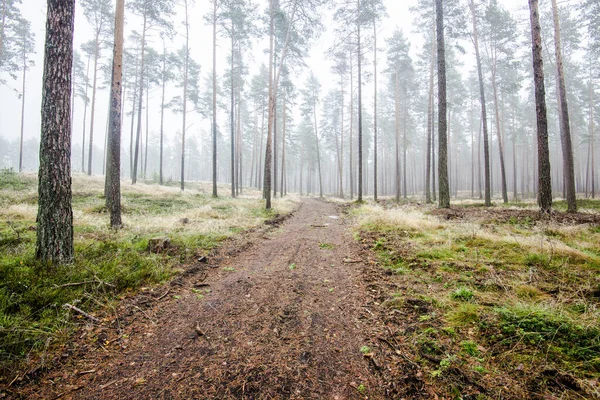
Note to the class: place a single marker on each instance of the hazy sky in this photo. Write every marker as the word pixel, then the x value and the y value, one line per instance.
pixel 34 10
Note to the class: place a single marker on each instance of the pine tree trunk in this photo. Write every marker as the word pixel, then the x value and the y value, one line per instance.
pixel 397 133
pixel 283 172
pixel 500 139
pixel 85 107
pixel 214 103
pixel 360 118
pixel 140 103
pixel 268 152
pixel 318 152
pixel 374 107
pixel 351 156
pixel 93 112
pixel 113 176
pixel 544 177
pixel 185 94
pixel 23 112
pixel 430 123
pixel 162 117
pixel 486 147
pixel 54 242
pixel 592 129
pixel 341 156
pixel 232 111
pixel 565 127
pixel 444 196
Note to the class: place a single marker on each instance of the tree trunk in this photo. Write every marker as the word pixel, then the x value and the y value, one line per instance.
pixel 374 106
pixel 444 196
pixel 185 90
pixel 268 155
pixel 341 156
pixel 162 117
pixel 351 156
pixel 92 117
pixel 430 123
pixel 544 178
pixel 214 103
pixel 54 242
pixel 23 112
pixel 500 138
pixel 318 152
pixel 592 129
pixel 85 107
pixel 140 103
pixel 397 133
pixel 281 190
pixel 232 111
pixel 565 127
pixel 113 176
pixel 360 118
pixel 486 147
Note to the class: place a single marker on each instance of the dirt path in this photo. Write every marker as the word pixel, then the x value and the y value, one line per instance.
pixel 283 319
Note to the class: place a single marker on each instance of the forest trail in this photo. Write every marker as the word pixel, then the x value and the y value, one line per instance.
pixel 283 318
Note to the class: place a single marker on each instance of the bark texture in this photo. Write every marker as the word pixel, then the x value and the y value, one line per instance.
pixel 544 177
pixel 113 175
pixel 444 187
pixel 55 216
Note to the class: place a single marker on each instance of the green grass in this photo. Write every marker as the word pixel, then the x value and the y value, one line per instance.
pixel 502 291
pixel 107 264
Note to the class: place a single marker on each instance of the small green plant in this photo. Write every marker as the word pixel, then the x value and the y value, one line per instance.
pixel 326 246
pixel 362 389
pixel 470 348
pixel 462 294
pixel 365 350
pixel 229 269
pixel 464 315
pixel 479 369
pixel 292 267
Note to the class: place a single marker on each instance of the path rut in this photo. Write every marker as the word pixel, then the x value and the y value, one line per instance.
pixel 282 320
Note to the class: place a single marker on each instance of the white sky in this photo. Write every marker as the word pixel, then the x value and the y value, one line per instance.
pixel 201 47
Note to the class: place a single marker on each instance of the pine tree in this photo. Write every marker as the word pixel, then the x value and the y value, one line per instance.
pixel 55 215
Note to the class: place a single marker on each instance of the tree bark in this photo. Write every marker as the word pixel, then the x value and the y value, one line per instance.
pixel 85 107
pixel 214 103
pixel 430 123
pixel 444 195
pixel 565 126
pixel 397 133
pixel 92 117
pixel 486 147
pixel 374 106
pixel 140 102
pixel 162 116
pixel 54 242
pixel 318 152
pixel 544 177
pixel 23 112
pixel 360 117
pixel 113 176
pixel 232 111
pixel 185 91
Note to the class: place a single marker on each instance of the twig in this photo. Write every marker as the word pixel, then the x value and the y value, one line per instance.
pixel 68 306
pixel 145 315
pixel 164 295
pixel 83 283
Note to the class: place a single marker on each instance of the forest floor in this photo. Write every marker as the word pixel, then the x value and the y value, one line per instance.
pixel 340 301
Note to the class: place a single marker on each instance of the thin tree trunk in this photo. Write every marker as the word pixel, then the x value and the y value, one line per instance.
pixel 341 156
pixel 113 176
pixel 140 102
pixel 85 107
pixel 232 111
pixel 430 122
pixel 147 129
pixel 360 117
pixel 54 241
pixel 444 197
pixel 500 138
pixel 162 116
pixel 214 104
pixel 185 94
pixel 544 177
pixel 351 165
pixel 486 148
pixel 94 86
pixel 397 132
pixel 23 112
pixel 283 172
pixel 374 106
pixel 318 152
pixel 565 127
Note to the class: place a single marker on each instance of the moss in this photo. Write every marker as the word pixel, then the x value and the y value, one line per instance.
pixel 463 315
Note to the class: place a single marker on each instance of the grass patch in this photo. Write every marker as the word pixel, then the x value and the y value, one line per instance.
pixel 505 296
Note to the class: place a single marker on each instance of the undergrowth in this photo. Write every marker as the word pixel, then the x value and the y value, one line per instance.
pixel 506 309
